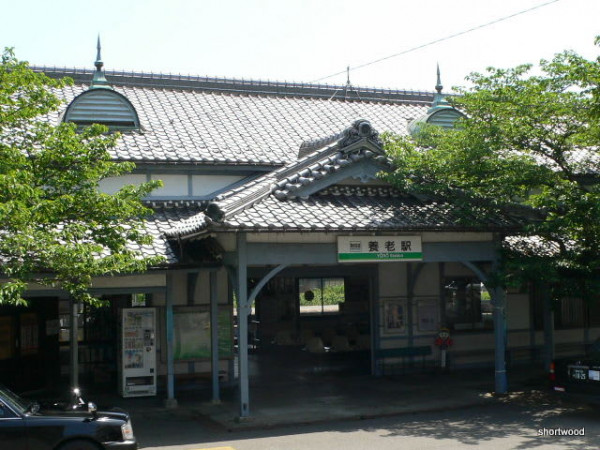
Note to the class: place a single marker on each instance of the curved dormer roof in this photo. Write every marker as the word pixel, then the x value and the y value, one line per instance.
pixel 102 104
pixel 441 113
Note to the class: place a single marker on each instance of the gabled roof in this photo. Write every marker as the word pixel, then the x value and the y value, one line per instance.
pixel 192 120
pixel 306 195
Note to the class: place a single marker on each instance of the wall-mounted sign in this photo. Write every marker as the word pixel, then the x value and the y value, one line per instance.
pixel 379 248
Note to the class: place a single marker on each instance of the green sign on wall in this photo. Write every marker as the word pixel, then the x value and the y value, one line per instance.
pixel 379 248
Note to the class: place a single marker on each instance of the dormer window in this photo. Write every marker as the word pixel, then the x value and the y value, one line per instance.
pixel 441 113
pixel 102 104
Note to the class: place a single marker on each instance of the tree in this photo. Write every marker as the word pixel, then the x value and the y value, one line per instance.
pixel 528 143
pixel 56 228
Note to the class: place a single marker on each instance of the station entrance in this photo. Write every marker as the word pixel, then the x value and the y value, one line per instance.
pixel 313 321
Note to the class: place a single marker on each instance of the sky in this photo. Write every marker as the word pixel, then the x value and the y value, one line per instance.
pixel 302 40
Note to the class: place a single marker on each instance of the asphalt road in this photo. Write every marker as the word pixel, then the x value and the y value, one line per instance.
pixel 522 421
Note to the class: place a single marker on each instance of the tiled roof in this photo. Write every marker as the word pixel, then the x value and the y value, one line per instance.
pixel 274 202
pixel 232 122
pixel 358 208
pixel 167 215
pixel 210 121
pixel 531 246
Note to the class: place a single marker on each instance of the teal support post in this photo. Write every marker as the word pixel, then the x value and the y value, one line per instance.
pixel 170 401
pixel 500 336
pixel 243 313
pixel 499 317
pixel 214 336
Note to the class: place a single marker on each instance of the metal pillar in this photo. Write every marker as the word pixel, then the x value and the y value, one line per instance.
pixel 170 401
pixel 243 313
pixel 214 336
pixel 74 344
pixel 499 315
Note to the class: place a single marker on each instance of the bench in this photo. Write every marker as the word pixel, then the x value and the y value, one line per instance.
pixel 393 358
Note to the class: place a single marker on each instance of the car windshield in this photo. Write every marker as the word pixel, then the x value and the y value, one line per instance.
pixel 20 404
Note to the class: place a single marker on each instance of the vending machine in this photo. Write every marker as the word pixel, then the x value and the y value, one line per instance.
pixel 137 365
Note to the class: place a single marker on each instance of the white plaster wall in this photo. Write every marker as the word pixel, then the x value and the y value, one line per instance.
pixel 179 289
pixel 202 290
pixel 173 185
pixel 203 185
pixel 428 284
pixel 392 279
pixel 113 184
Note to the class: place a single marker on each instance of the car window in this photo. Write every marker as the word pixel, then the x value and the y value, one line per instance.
pixel 16 402
pixel 5 412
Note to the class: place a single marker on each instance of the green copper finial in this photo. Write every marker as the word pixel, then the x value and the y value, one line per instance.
pixel 439 99
pixel 99 80
pixel 99 62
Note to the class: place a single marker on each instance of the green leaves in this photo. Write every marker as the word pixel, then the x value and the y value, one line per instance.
pixel 527 139
pixel 56 228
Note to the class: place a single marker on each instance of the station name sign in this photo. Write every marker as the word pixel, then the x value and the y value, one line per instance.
pixel 379 248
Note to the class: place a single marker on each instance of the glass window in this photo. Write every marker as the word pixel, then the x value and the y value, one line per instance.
pixel 320 295
pixel 570 314
pixel 467 304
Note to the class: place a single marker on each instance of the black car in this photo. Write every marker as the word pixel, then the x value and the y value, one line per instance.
pixel 26 425
pixel 578 378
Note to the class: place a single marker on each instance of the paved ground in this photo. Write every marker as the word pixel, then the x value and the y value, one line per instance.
pixel 331 396
pixel 521 421
pixel 285 391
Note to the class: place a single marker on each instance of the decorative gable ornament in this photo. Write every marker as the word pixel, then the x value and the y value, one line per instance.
pixel 356 152
pixel 360 129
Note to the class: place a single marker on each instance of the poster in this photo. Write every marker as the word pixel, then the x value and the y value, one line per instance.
pixel 428 315
pixel 394 316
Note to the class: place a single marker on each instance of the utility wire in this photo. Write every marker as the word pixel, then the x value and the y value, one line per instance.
pixel 479 27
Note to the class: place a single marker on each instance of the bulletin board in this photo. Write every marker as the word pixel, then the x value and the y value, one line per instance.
pixel 192 333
